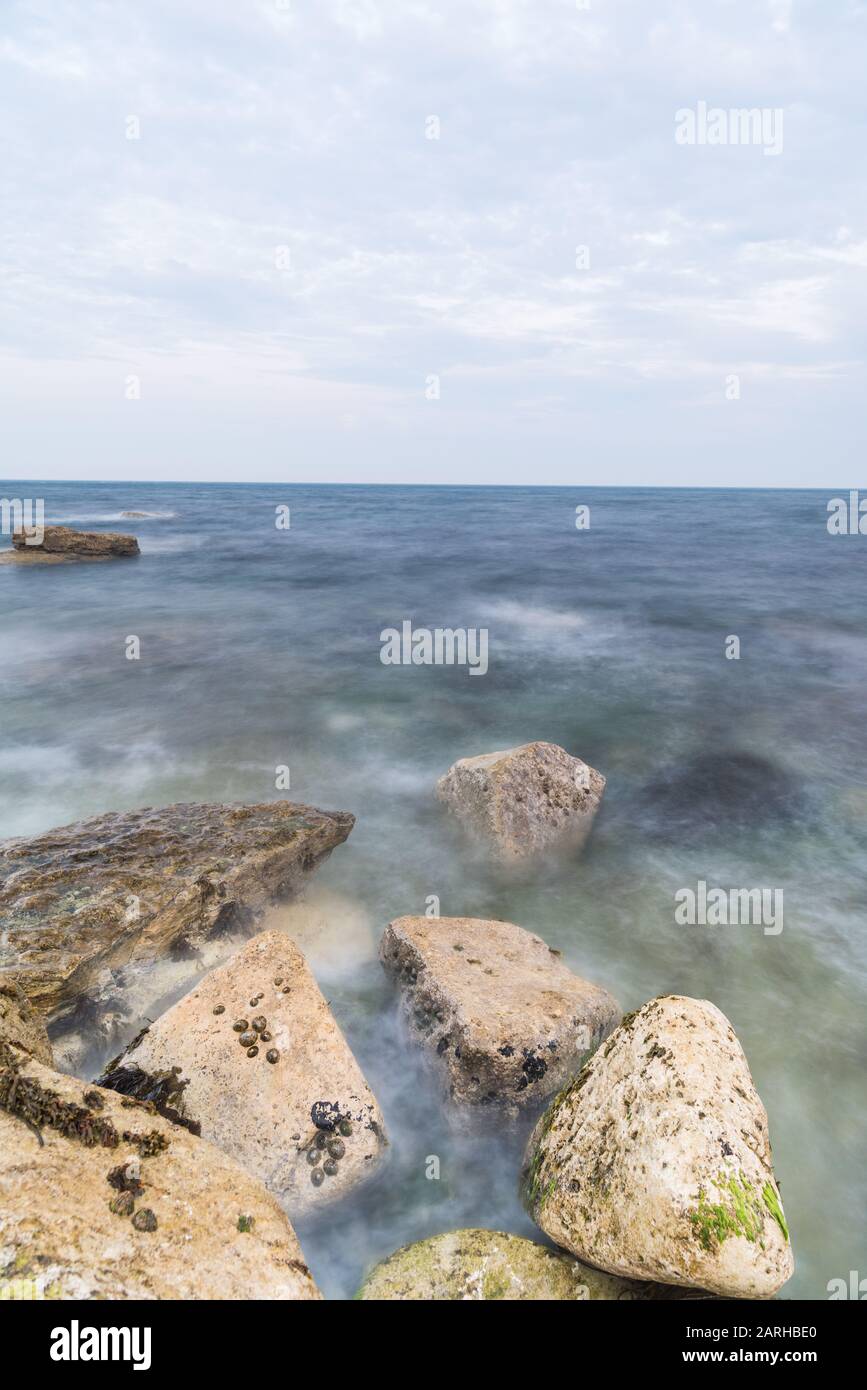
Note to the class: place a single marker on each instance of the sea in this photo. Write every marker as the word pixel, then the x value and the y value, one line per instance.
pixel 704 649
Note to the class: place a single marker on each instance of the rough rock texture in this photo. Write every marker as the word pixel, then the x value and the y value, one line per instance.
pixel 81 903
pixel 506 1019
pixel 37 556
pixel 21 1025
pixel 655 1162
pixel 64 540
pixel 488 1265
pixel 101 1198
pixel 526 801
pixel 274 1116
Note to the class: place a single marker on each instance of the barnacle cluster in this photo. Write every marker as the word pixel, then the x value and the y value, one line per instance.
pixel 327 1147
pixel 251 1034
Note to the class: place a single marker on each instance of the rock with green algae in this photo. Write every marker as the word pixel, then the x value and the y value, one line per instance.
pixel 491 1265
pixel 88 908
pixel 66 1147
pixel 655 1162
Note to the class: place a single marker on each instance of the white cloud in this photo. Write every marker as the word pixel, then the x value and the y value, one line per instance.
pixel 302 126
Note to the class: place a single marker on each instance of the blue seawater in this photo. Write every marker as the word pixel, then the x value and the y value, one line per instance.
pixel 260 647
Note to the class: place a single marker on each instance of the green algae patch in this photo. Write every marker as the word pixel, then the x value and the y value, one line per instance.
pixel 771 1200
pixel 488 1266
pixel 739 1212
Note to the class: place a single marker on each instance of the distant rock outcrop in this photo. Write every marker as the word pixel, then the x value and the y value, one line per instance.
pixel 64 540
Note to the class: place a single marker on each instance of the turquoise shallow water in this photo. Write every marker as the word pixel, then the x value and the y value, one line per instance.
pixel 261 647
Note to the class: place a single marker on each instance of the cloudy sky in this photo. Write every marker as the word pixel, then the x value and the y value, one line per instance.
pixel 285 277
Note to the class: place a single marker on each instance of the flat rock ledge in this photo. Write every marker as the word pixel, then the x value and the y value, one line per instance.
pixel 101 1198
pixel 524 803
pixel 82 906
pixel 478 1265
pixel 65 540
pixel 655 1162
pixel 504 1019
pixel 253 1059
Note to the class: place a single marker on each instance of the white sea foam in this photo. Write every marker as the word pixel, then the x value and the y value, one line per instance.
pixel 131 514
pixel 535 618
pixel 334 931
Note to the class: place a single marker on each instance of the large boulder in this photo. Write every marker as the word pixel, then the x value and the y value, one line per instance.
pixel 503 1017
pixel 655 1162
pixel 102 1198
pixel 253 1060
pixel 84 907
pixel 489 1265
pixel 524 802
pixel 64 540
pixel 21 1025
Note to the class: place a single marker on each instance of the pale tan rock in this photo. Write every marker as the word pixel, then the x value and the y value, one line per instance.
pixel 655 1162
pixel 524 802
pixel 484 1266
pixel 506 1021
pixel 21 1025
pixel 264 1114
pixel 214 1232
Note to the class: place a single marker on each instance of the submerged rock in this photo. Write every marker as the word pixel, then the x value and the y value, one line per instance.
pixel 655 1162
pixel 276 1117
pixel 82 903
pixel 506 1020
pixel 101 1198
pixel 64 540
pixel 21 1025
pixel 720 790
pixel 489 1265
pixel 526 801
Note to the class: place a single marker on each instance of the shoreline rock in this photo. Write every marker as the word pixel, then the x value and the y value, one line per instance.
pixel 655 1162
pixel 85 903
pixel 253 1059
pixel 65 540
pixel 483 1266
pixel 524 803
pixel 506 1020
pixel 21 1026
pixel 102 1198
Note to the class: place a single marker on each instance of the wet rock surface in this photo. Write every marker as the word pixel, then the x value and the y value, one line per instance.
pixel 655 1162
pixel 21 1025
pixel 102 1198
pixel 303 1121
pixel 83 904
pixel 490 1265
pixel 501 1015
pixel 65 540
pixel 524 802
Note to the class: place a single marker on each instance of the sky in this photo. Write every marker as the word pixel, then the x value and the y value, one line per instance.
pixel 357 241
